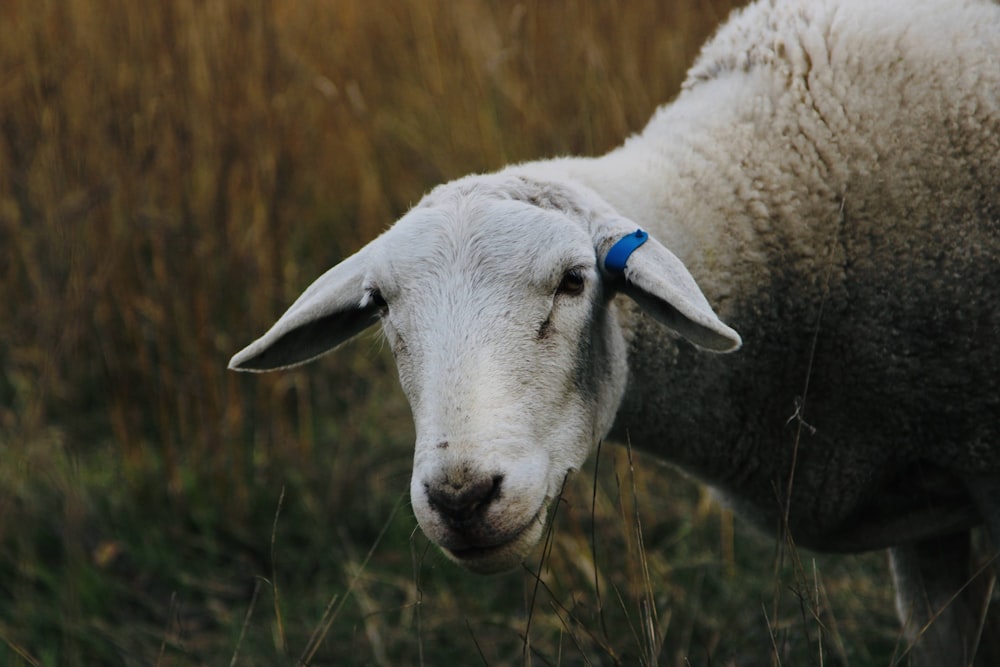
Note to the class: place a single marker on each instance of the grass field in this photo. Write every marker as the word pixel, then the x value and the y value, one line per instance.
pixel 171 176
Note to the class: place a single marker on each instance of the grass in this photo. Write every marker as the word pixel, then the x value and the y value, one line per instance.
pixel 171 176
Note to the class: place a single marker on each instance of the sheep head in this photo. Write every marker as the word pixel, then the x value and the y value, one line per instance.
pixel 495 300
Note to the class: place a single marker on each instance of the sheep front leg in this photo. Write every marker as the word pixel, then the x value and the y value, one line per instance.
pixel 938 610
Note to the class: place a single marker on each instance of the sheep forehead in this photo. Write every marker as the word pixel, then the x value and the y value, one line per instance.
pixel 481 235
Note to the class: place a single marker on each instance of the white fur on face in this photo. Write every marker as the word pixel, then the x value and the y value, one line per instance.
pixel 511 381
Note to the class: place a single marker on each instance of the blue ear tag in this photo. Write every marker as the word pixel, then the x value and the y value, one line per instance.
pixel 616 258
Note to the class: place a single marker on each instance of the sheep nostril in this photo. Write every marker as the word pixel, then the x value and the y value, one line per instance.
pixel 462 502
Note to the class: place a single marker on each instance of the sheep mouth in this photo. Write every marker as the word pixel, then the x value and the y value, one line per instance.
pixel 493 558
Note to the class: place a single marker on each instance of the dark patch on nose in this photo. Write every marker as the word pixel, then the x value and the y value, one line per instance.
pixel 442 445
pixel 459 502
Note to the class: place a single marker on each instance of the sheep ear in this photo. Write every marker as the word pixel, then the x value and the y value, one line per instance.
pixel 660 283
pixel 330 311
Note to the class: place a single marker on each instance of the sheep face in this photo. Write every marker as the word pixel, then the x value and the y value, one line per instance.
pixel 493 297
pixel 512 361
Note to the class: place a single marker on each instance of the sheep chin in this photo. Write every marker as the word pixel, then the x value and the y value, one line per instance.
pixel 501 557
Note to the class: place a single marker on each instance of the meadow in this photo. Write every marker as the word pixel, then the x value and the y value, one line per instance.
pixel 172 175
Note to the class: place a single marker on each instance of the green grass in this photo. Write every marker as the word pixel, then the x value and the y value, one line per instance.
pixel 171 176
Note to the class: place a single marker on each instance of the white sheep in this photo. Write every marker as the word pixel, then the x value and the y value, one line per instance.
pixel 828 181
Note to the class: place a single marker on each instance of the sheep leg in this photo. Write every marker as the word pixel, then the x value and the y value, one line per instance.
pixel 985 492
pixel 937 619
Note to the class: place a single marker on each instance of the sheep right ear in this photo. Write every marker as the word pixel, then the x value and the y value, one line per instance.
pixel 331 310
pixel 660 283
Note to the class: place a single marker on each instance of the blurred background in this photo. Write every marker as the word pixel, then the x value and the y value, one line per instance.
pixel 172 175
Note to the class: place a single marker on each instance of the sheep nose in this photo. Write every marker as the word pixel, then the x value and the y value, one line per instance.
pixel 458 502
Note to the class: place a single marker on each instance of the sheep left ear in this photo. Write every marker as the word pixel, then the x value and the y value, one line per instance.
pixel 660 283
pixel 330 311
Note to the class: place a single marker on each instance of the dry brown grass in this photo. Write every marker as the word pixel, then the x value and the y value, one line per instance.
pixel 174 173
pixel 171 176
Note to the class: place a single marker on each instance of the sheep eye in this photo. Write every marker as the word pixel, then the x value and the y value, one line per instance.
pixel 572 283
pixel 376 299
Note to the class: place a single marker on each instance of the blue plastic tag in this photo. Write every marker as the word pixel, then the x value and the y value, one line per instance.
pixel 616 258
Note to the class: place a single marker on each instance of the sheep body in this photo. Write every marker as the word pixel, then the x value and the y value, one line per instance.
pixel 832 187
pixel 829 178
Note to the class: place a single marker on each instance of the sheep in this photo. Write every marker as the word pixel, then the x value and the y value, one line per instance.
pixel 826 183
